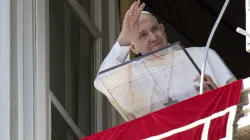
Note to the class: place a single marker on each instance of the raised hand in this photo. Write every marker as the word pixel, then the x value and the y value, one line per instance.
pixel 130 23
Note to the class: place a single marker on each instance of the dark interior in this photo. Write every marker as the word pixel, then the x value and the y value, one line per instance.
pixel 191 21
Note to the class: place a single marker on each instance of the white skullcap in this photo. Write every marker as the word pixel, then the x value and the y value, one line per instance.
pixel 145 12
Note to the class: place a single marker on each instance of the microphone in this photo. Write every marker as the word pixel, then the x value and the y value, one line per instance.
pixel 243 32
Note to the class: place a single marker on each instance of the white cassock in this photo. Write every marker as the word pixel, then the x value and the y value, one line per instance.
pixel 145 86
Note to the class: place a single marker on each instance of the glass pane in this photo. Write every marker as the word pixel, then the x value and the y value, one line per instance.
pixel 57 49
pixel 62 131
pixel 71 67
pixel 84 75
pixel 151 82
pixel 86 4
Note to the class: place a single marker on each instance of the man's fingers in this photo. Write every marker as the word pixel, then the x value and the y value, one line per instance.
pixel 208 77
pixel 197 88
pixel 205 85
pixel 135 10
pixel 212 84
pixel 208 82
pixel 197 78
pixel 140 9
pixel 137 3
pixel 132 8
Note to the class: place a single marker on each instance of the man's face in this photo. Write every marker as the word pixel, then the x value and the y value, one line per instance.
pixel 150 35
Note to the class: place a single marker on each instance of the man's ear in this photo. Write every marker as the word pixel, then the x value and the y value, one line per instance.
pixel 133 49
pixel 162 27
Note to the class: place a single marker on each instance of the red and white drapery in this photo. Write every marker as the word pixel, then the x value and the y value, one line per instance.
pixel 208 116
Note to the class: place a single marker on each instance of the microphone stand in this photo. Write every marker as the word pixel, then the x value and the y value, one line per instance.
pixel 208 45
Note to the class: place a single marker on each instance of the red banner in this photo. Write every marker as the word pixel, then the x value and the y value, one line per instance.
pixel 207 116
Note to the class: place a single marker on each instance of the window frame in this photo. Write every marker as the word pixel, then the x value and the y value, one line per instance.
pixel 29 54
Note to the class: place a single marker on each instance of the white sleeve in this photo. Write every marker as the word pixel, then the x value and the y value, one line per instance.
pixel 219 69
pixel 117 55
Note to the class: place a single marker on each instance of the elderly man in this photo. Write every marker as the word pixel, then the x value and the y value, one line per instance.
pixel 142 34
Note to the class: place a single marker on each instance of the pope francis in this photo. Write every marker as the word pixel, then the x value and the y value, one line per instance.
pixel 142 34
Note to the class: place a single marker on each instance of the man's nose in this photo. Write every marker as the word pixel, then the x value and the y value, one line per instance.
pixel 153 36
